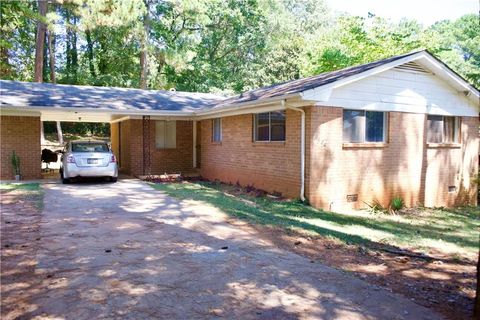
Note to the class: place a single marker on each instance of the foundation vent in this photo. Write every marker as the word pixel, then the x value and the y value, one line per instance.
pixel 452 189
pixel 412 67
pixel 352 197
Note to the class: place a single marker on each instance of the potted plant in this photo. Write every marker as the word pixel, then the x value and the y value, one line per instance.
pixel 16 165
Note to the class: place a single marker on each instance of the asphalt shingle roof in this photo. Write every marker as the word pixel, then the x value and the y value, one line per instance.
pixel 31 94
pixel 14 93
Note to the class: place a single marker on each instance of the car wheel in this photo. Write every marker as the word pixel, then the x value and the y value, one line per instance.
pixel 113 179
pixel 65 180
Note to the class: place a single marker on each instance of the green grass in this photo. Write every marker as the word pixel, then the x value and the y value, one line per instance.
pixel 29 191
pixel 8 187
pixel 450 231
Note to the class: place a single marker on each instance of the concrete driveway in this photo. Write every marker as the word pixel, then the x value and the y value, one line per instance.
pixel 128 251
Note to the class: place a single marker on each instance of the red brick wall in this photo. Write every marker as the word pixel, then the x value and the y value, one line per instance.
pixel 271 166
pixel 177 160
pixel 405 166
pixel 454 167
pixel 21 134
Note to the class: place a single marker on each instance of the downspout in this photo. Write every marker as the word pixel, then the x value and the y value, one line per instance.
pixel 302 148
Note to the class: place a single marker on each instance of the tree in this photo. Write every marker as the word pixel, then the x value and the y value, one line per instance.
pixel 476 308
pixel 40 40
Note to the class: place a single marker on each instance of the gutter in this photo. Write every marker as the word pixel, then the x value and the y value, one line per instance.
pixel 302 148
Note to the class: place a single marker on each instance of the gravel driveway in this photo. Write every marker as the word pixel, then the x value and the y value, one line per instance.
pixel 127 251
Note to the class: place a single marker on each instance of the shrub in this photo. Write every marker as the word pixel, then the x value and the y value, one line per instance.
pixel 397 204
pixel 375 207
pixel 15 163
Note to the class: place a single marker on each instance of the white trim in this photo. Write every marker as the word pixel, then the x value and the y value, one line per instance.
pixel 302 148
pixel 240 111
pixel 194 157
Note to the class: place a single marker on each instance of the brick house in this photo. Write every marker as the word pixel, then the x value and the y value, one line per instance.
pixel 405 126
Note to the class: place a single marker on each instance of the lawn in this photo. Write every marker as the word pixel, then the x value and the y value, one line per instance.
pixel 454 232
pixel 28 191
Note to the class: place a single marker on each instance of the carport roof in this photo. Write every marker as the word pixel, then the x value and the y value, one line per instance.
pixel 31 95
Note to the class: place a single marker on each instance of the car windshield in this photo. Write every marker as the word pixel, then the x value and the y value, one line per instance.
pixel 89 147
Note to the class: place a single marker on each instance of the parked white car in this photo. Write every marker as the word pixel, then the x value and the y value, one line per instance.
pixel 84 158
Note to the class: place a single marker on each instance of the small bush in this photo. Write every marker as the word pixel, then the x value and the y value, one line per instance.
pixel 397 204
pixel 375 207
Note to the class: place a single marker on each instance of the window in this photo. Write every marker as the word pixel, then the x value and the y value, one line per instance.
pixel 442 129
pixel 364 126
pixel 90 147
pixel 165 134
pixel 217 130
pixel 269 126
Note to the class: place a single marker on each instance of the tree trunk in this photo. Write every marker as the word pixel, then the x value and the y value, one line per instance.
pixel 91 65
pixel 51 54
pixel 40 41
pixel 42 134
pixel 144 50
pixel 476 308
pixel 74 51
pixel 59 132
pixel 143 69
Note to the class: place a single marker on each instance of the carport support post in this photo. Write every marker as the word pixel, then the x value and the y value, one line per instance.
pixel 146 145
pixel 194 143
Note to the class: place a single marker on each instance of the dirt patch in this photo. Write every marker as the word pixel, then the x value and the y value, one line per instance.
pixel 442 284
pixel 21 214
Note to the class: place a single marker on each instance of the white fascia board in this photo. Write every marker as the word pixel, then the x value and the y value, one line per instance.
pixel 445 73
pixel 257 106
pixel 69 110
pixel 254 109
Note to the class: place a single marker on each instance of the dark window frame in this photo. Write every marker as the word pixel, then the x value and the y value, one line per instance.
pixel 457 125
pixel 255 126
pixel 364 128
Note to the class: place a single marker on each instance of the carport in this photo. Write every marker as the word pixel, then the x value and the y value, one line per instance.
pixel 152 131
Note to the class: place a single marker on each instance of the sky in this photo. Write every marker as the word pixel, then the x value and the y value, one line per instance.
pixel 425 11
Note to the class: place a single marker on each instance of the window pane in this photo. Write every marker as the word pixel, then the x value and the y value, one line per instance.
pixel 262 127
pixel 160 134
pixel 434 129
pixel 165 134
pixel 374 126
pixel 449 129
pixel 217 130
pixel 171 139
pixel 89 147
pixel 277 121
pixel 353 126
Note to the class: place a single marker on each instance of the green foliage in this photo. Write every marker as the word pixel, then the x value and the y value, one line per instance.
pixel 219 45
pixel 15 160
pixel 397 204
pixel 375 207
pixel 78 128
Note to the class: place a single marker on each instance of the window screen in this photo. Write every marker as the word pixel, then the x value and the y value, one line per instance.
pixel 277 126
pixel 269 126
pixel 165 134
pixel 353 126
pixel 442 129
pixel 364 126
pixel 217 130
